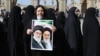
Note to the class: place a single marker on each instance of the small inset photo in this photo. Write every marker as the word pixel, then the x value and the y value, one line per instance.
pixel 42 35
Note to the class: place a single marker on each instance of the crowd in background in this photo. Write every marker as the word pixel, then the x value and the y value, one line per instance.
pixel 68 40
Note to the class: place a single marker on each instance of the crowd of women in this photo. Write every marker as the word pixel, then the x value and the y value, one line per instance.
pixel 68 40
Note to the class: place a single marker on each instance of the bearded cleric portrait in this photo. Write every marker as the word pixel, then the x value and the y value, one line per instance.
pixel 36 38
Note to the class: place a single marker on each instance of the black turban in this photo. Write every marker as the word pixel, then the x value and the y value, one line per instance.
pixel 38 27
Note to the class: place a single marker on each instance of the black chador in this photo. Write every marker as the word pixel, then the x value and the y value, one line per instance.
pixel 73 32
pixel 15 30
pixel 91 34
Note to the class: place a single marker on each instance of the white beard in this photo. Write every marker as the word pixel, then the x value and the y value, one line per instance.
pixel 37 39
pixel 46 40
pixel 48 44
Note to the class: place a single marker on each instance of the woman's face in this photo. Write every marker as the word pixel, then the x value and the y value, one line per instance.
pixel 77 12
pixel 40 12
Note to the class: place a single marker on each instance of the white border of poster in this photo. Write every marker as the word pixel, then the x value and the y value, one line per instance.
pixel 44 24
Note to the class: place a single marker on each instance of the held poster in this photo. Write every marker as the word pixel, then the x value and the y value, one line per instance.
pixel 42 35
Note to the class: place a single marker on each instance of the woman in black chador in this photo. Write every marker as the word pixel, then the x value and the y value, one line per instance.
pixel 4 49
pixel 40 14
pixel 15 29
pixel 60 43
pixel 91 34
pixel 73 32
pixel 27 17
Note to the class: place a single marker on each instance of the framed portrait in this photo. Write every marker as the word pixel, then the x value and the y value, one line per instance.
pixel 42 35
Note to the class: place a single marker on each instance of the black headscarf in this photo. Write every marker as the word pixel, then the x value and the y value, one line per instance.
pixel 51 15
pixel 15 30
pixel 29 13
pixel 91 33
pixel 73 32
pixel 60 21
